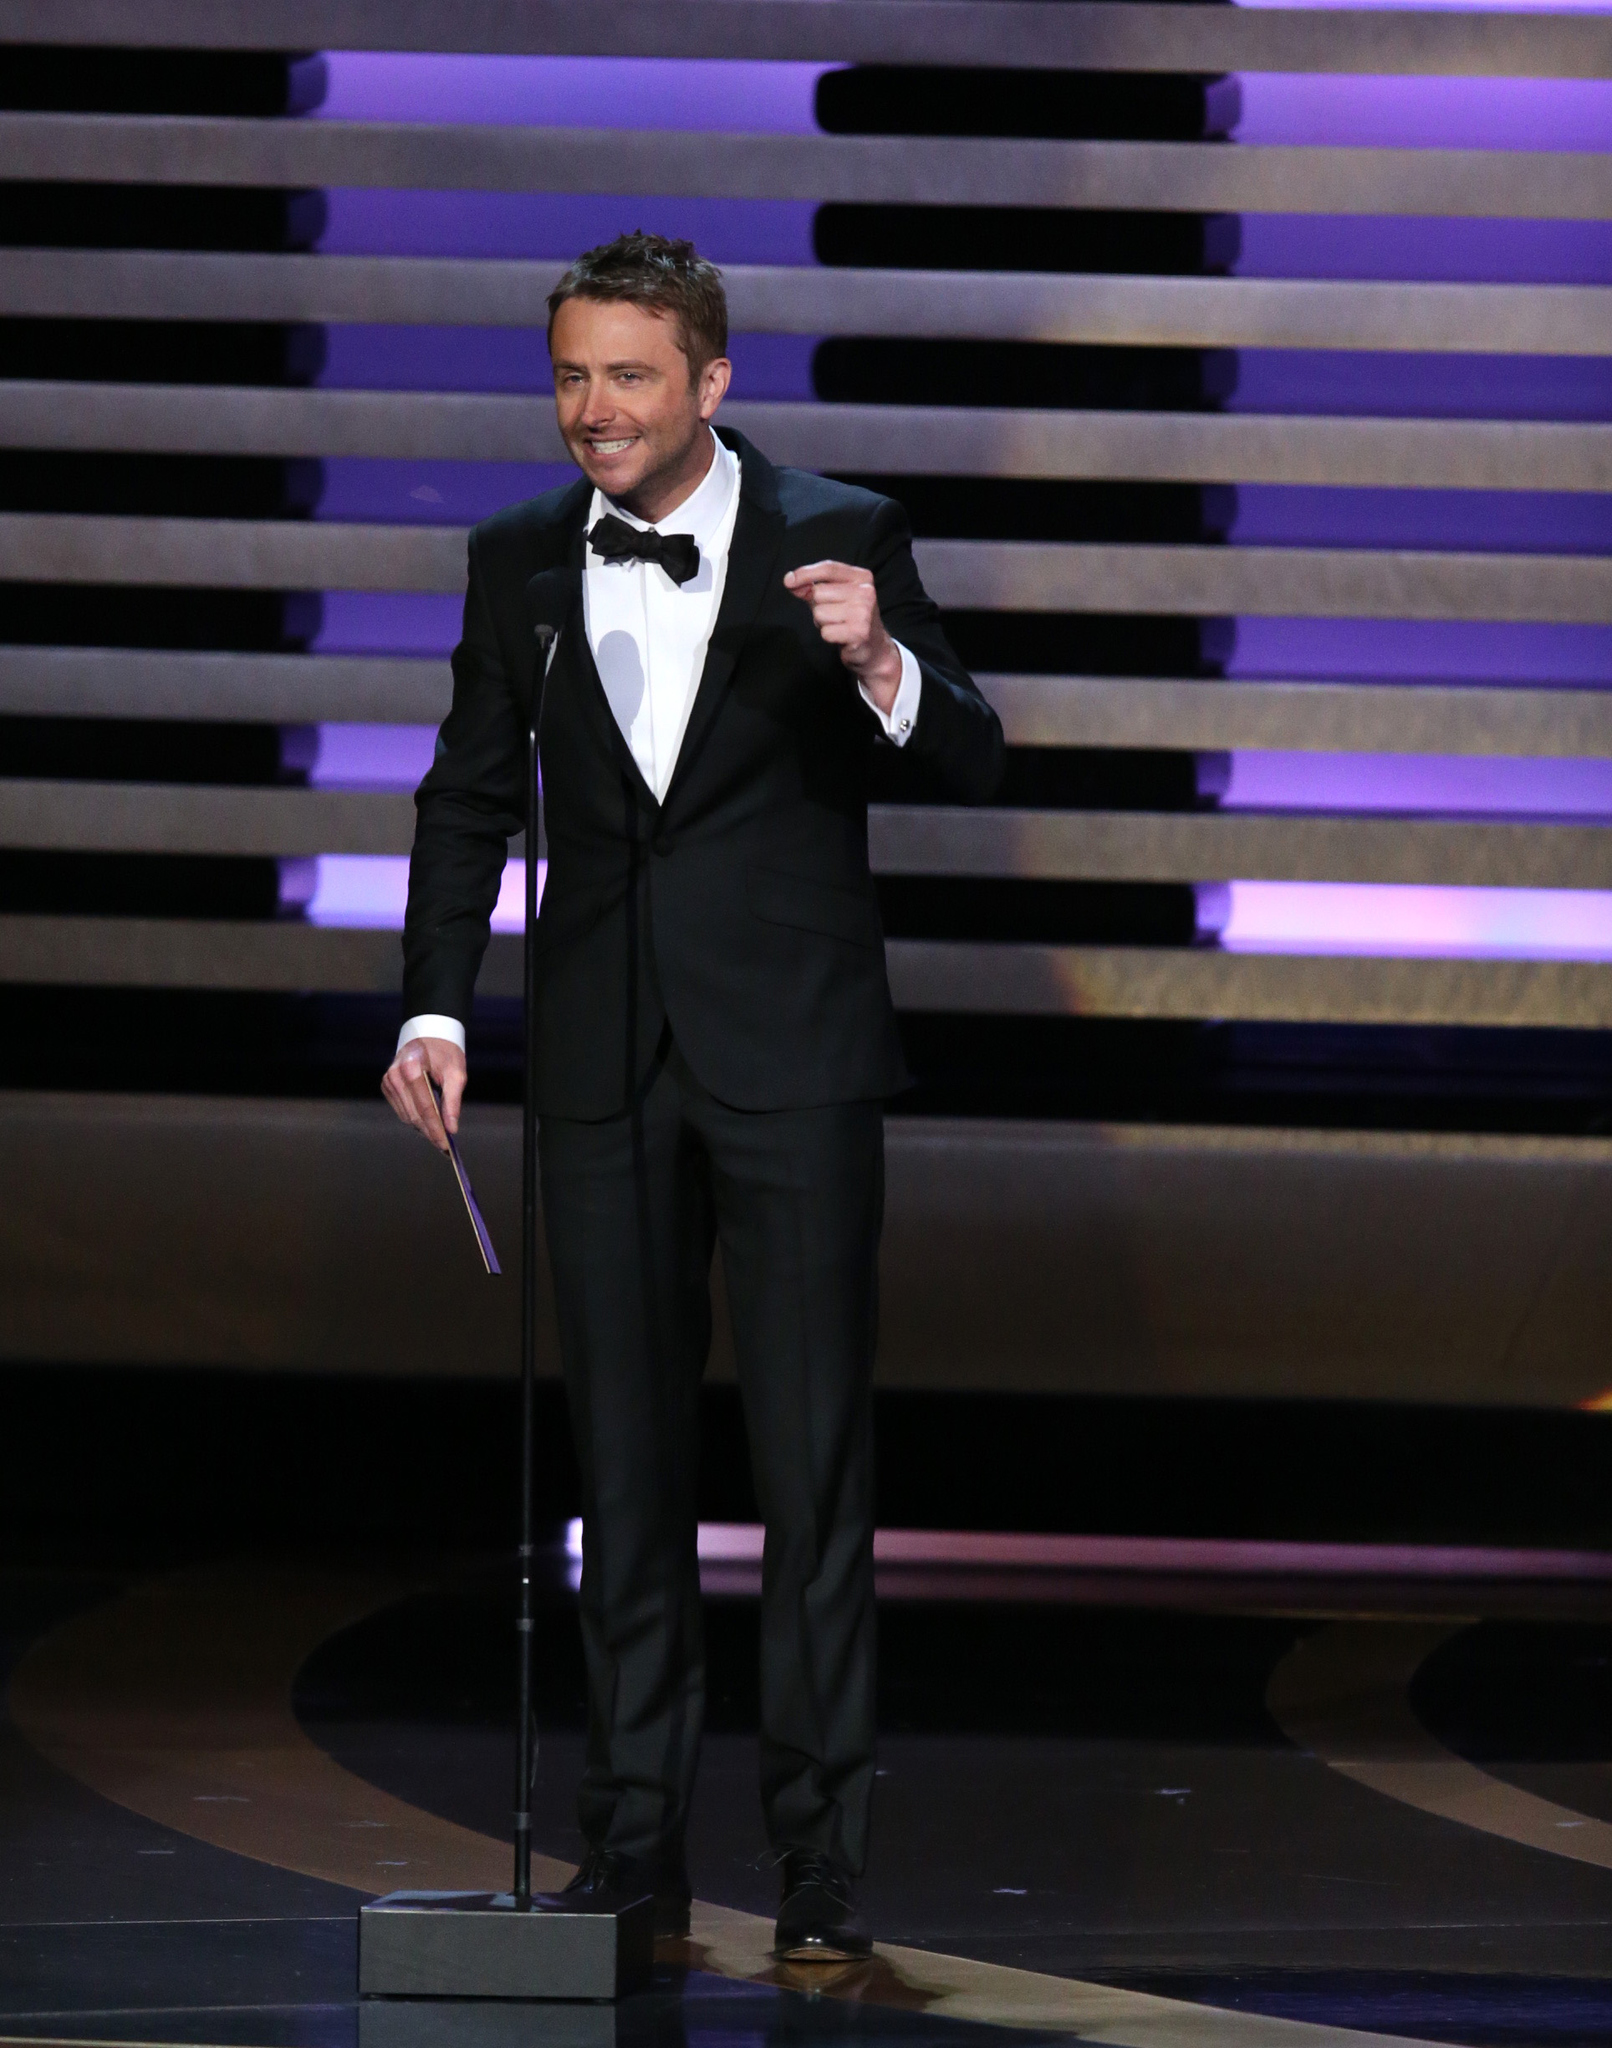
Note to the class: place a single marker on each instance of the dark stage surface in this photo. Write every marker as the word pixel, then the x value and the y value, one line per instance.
pixel 1197 1810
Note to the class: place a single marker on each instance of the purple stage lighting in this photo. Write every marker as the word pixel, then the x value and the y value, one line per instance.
pixel 1372 918
pixel 699 94
pixel 1466 785
pixel 356 891
pixel 371 756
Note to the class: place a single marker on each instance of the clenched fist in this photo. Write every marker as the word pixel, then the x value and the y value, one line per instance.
pixel 845 610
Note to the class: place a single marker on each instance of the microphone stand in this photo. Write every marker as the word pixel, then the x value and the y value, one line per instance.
pixel 474 1946
pixel 525 1734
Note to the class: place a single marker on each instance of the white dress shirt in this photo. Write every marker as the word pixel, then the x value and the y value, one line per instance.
pixel 649 638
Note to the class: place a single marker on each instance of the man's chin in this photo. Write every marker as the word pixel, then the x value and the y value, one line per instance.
pixel 615 479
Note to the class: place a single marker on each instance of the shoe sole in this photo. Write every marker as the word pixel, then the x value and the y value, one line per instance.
pixel 821 1952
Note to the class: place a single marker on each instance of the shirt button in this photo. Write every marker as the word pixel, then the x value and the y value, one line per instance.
pixel 906 725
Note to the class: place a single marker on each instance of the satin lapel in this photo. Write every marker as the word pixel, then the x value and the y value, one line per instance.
pixel 576 670
pixel 758 535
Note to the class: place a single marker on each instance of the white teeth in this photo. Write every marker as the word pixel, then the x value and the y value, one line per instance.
pixel 611 447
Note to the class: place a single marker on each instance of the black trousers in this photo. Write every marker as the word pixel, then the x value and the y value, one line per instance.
pixel 633 1208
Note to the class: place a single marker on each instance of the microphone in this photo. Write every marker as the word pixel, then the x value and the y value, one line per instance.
pixel 548 602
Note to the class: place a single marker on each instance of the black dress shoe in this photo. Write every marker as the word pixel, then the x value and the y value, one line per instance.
pixel 817 1920
pixel 610 1876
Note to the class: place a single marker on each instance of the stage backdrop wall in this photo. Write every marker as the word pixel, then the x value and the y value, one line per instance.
pixel 1018 1256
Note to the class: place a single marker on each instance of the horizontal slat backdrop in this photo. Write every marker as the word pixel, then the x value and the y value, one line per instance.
pixel 130 817
pixel 1032 577
pixel 1036 711
pixel 1138 312
pixel 982 979
pixel 1024 576
pixel 1022 33
pixel 1487 455
pixel 901 171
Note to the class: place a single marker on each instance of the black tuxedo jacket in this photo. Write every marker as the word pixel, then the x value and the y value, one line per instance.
pixel 742 908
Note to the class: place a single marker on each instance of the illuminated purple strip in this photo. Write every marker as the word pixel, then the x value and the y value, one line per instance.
pixel 1418 650
pixel 387 622
pixel 1453 6
pixel 1353 110
pixel 1432 784
pixel 554 226
pixel 716 95
pixel 414 493
pixel 1386 919
pixel 354 891
pixel 371 756
pixel 741 1543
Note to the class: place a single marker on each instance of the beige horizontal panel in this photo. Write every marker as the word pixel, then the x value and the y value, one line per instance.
pixel 230 554
pixel 1192 1259
pixel 1186 312
pixel 1081 34
pixel 1127 981
pixel 901 440
pixel 1206 846
pixel 985 979
pixel 143 952
pixel 287 689
pixel 1387 718
pixel 986 575
pixel 1036 711
pixel 134 817
pixel 922 840
pixel 1090 36
pixel 884 170
pixel 1265 582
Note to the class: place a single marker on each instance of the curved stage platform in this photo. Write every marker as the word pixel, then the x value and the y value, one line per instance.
pixel 1122 1799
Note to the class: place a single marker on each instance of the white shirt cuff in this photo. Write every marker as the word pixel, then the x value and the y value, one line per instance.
pixel 902 716
pixel 427 1026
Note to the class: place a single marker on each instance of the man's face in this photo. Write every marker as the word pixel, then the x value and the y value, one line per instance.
pixel 630 413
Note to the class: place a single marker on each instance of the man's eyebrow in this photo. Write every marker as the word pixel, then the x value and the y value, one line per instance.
pixel 627 363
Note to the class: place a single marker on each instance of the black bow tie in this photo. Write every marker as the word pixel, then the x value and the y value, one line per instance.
pixel 616 541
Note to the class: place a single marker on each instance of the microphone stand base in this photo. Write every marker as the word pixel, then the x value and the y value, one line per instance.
pixel 479 1945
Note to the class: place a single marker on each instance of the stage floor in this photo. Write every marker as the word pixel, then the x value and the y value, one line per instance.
pixel 1181 1812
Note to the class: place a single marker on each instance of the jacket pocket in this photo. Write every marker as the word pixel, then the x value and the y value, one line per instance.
pixel 808 905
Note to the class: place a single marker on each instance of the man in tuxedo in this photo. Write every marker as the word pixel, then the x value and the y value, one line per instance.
pixel 715 1035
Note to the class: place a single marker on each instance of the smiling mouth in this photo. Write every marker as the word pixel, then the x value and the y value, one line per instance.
pixel 611 447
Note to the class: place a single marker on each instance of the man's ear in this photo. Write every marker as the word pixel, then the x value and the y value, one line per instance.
pixel 714 381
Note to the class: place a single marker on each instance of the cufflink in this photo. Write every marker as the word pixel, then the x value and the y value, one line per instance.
pixel 905 725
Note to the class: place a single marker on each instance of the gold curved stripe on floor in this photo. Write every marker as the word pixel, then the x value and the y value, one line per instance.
pixel 1343 1694
pixel 174 1700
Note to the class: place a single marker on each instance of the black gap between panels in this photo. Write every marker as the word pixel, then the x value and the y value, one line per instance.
pixel 123 615
pixel 1057 778
pixel 1040 508
pixel 1087 643
pixel 152 885
pixel 985 100
pixel 1345 1077
pixel 1021 375
pixel 88 79
pixel 166 486
pixel 145 750
pixel 162 351
pixel 258 220
pixel 1025 238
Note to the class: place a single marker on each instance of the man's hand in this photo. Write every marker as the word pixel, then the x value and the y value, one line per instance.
pixel 407 1086
pixel 845 610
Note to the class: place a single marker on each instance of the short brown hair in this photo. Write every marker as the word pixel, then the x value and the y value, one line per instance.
pixel 665 276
